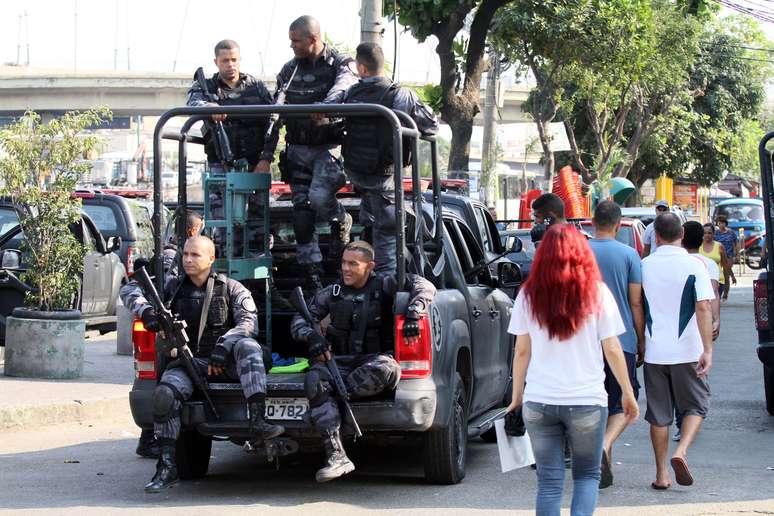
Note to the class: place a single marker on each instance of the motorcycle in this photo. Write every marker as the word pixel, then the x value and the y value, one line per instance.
pixel 753 251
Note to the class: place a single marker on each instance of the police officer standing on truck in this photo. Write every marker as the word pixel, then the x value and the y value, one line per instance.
pixel 368 151
pixel 317 74
pixel 360 335
pixel 246 136
pixel 222 324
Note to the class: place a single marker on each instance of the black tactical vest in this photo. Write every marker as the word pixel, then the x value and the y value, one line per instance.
pixel 311 84
pixel 367 145
pixel 244 135
pixel 187 302
pixel 360 319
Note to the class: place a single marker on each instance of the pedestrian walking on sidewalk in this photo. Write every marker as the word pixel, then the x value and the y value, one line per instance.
pixel 565 319
pixel 619 265
pixel 678 346
pixel 717 252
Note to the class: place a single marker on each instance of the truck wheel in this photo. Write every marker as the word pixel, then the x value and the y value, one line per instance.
pixel 768 387
pixel 445 450
pixel 192 454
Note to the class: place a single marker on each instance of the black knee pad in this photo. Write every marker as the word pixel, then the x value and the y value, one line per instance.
pixel 164 398
pixel 316 387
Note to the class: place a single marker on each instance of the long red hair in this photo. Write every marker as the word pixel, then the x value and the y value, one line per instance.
pixel 562 288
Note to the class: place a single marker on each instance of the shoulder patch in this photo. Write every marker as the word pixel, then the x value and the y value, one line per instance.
pixel 248 305
pixel 352 66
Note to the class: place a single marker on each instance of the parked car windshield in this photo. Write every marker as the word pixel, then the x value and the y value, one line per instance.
pixel 624 235
pixel 740 212
pixel 103 216
pixel 8 220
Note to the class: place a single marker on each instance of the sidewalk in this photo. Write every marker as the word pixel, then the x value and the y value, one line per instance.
pixel 102 391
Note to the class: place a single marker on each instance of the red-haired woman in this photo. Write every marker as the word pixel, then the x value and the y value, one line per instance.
pixel 565 319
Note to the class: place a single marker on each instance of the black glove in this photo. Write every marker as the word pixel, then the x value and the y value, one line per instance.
pixel 317 345
pixel 150 320
pixel 411 325
pixel 218 357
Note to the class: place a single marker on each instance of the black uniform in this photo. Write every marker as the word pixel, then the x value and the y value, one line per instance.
pixel 314 174
pixel 368 158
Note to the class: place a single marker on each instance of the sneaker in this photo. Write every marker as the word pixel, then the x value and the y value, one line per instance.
pixel 340 231
pixel 676 437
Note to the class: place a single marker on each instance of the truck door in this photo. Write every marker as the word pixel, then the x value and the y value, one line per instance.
pixel 490 370
pixel 102 268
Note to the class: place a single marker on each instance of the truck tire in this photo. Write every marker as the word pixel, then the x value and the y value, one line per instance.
pixel 768 387
pixel 445 449
pixel 192 454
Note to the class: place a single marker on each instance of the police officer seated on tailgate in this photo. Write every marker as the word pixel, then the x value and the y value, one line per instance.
pixel 360 337
pixel 222 339
pixel 368 153
pixel 317 74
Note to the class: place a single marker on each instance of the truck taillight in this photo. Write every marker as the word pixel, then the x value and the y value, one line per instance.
pixel 761 301
pixel 144 352
pixel 415 357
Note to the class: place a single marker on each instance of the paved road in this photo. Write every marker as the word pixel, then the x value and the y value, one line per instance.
pixel 729 462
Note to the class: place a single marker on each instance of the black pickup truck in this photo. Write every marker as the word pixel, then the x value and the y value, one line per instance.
pixel 454 381
pixel 763 287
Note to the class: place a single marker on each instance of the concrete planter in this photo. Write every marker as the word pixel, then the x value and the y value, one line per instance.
pixel 44 344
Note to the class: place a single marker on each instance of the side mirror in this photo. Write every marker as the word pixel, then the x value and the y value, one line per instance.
pixel 517 246
pixel 113 244
pixel 508 274
pixel 10 258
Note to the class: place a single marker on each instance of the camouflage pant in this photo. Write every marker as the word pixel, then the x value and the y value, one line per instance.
pixel 254 216
pixel 364 375
pixel 315 177
pixel 245 362
pixel 377 210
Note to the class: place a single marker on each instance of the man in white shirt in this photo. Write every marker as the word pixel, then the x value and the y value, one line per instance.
pixel 649 238
pixel 678 346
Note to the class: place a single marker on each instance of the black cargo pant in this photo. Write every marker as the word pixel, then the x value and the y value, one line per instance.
pixel 245 363
pixel 364 376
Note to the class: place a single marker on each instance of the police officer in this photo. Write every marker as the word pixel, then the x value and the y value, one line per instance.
pixel 360 335
pixel 194 223
pixel 246 136
pixel 320 74
pixel 368 151
pixel 222 340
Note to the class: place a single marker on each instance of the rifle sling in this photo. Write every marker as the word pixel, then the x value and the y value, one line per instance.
pixel 205 309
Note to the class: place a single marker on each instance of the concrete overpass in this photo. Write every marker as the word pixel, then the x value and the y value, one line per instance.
pixel 133 93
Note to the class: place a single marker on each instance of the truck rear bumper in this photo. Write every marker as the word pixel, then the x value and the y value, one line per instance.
pixel 765 352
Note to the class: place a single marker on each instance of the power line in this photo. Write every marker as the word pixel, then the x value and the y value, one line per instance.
pixel 180 37
pixel 729 45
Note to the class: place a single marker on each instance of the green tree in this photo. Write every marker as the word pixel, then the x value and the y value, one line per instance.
pixel 461 27
pixel 40 166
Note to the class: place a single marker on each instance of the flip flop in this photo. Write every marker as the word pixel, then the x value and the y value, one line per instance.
pixel 606 474
pixel 658 487
pixel 682 473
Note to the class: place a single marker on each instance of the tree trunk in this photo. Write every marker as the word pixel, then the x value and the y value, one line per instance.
pixel 462 129
pixel 544 130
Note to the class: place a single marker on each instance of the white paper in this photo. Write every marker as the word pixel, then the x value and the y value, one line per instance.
pixel 515 452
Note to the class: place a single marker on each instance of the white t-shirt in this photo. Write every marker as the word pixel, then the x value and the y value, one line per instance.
pixel 649 237
pixel 568 372
pixel 673 282
pixel 712 268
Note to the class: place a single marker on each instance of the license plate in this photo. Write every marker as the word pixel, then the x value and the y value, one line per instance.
pixel 286 408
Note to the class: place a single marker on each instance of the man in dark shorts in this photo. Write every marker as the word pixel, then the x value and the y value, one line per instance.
pixel 620 268
pixel 678 346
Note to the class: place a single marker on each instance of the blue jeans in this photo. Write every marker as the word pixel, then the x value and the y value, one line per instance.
pixel 583 426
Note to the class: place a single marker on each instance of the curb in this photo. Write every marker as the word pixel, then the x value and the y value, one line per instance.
pixel 16 418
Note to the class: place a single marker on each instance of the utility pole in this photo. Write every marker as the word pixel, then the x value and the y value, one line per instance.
pixel 489 144
pixel 371 27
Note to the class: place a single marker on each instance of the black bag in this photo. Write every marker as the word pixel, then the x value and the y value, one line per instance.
pixel 514 423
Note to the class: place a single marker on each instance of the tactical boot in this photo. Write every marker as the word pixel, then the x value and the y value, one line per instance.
pixel 166 469
pixel 340 230
pixel 147 446
pixel 338 464
pixel 259 428
pixel 312 272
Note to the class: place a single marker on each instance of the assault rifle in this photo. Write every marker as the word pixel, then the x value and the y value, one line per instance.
pixel 280 100
pixel 174 329
pixel 298 302
pixel 220 138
